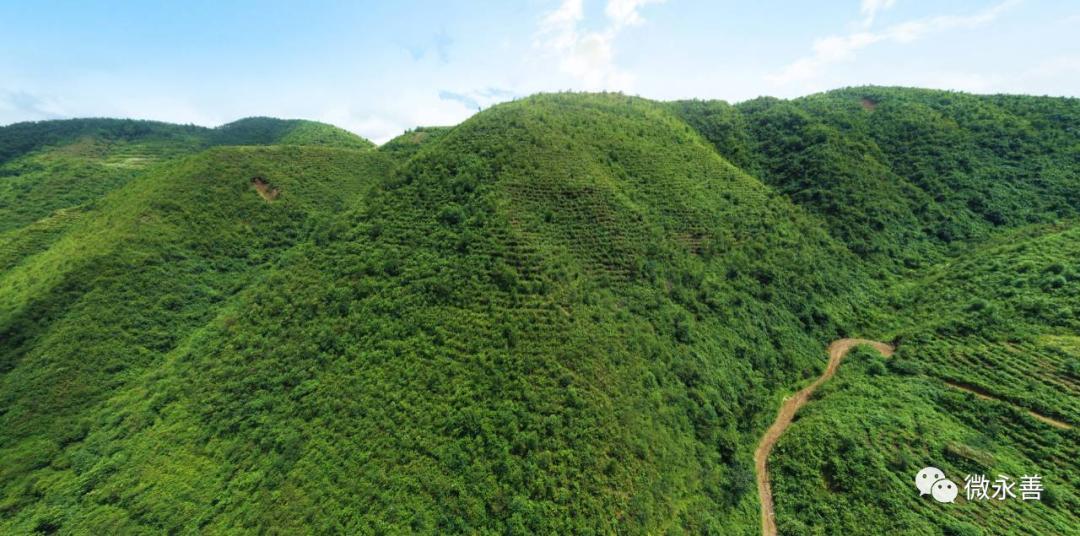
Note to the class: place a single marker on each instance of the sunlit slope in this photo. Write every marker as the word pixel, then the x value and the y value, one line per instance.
pixel 999 319
pixel 902 175
pixel 985 381
pixel 54 165
pixel 568 314
pixel 271 131
pixel 62 164
pixel 112 294
pixel 410 142
pixel 19 139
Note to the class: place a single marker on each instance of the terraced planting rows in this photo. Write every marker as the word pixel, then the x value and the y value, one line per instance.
pixel 568 314
pixel 1029 375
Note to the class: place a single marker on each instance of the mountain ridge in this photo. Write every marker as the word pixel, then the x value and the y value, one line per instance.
pixel 571 313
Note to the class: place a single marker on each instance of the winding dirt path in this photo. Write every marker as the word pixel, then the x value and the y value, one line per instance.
pixel 837 351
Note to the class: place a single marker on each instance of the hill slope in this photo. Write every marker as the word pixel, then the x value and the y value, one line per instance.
pixel 905 174
pixel 985 381
pixel 52 165
pixel 111 295
pixel 568 314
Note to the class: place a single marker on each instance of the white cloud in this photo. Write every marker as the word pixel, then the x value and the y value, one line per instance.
pixel 962 81
pixel 1061 71
pixel 625 12
pixel 26 106
pixel 395 113
pixel 835 49
pixel 869 9
pixel 567 15
pixel 1056 66
pixel 477 99
pixel 99 98
pixel 589 56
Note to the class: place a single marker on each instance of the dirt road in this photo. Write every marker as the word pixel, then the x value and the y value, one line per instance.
pixel 837 351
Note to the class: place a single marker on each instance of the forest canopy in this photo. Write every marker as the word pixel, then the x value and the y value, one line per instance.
pixel 569 314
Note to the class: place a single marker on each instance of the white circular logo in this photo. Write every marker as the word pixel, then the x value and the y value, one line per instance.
pixel 924 479
pixel 944 491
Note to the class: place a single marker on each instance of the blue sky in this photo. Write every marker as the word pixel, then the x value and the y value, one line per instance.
pixel 380 68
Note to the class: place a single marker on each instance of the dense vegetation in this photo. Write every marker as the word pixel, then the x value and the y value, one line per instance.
pixel 54 165
pixel 568 314
pixel 903 175
pixel 987 351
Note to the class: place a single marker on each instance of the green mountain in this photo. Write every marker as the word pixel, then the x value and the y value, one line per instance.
pixel 984 382
pixel 47 166
pixel 568 314
pixel 906 174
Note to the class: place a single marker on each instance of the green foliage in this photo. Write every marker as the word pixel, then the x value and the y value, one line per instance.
pixel 270 131
pixel 22 138
pixel 569 314
pixel 134 277
pixel 847 465
pixel 53 165
pixel 407 144
pixel 983 342
pixel 903 174
pixel 82 169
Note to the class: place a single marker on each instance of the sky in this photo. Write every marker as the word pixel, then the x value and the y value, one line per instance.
pixel 380 68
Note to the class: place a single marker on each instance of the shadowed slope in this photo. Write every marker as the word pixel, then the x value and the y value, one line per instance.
pixel 919 171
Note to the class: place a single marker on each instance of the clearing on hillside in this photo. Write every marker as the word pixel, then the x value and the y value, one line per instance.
pixel 268 192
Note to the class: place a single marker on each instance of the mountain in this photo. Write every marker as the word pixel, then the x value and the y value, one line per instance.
pixel 98 299
pixel 570 313
pixel 984 382
pixel 50 165
pixel 907 174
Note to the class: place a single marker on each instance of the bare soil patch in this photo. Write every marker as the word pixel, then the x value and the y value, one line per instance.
pixel 268 192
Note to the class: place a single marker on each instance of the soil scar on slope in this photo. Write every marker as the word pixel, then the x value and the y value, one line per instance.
pixel 266 191
pixel 837 351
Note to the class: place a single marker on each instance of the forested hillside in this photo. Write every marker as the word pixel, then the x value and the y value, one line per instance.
pixel 984 381
pixel 54 165
pixel 569 314
pixel 906 175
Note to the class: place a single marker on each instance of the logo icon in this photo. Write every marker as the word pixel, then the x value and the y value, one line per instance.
pixel 944 491
pixel 931 481
pixel 924 479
